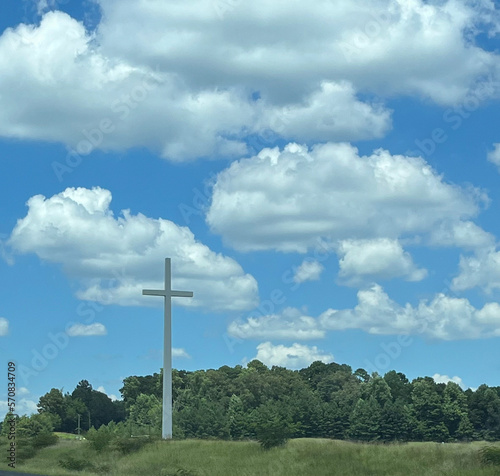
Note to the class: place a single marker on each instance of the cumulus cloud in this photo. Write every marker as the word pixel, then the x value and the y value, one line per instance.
pixel 376 259
pixel 291 323
pixel 463 234
pixel 438 378
pixel 93 100
pixel 114 258
pixel 157 354
pixel 494 155
pixel 366 44
pixel 22 391
pixel 112 89
pixel 309 270
pixel 444 317
pixel 4 326
pixel 82 330
pixel 180 353
pixel 286 199
pixel 296 356
pixel 482 269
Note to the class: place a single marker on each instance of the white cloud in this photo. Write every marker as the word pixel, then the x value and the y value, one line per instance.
pixel 366 44
pixel 331 113
pixel 296 356
pixel 83 330
pixel 309 270
pixel 43 5
pixel 445 379
pixel 114 258
pixel 157 354
pixel 63 87
pixel 481 269
pixel 180 354
pixel 494 155
pixel 376 259
pixel 291 323
pixel 22 391
pixel 463 234
pixel 444 317
pixel 4 326
pixel 62 83
pixel 286 199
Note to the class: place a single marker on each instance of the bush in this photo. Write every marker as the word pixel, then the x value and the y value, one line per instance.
pixel 74 464
pixel 24 449
pixel 129 445
pixel 44 439
pixel 490 455
pixel 271 428
pixel 99 440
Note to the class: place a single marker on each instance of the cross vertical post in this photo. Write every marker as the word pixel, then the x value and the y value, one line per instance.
pixel 167 293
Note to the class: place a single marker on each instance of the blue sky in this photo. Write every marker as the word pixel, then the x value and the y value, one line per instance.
pixel 324 176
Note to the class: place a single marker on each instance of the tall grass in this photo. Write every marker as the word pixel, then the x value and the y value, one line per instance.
pixel 299 457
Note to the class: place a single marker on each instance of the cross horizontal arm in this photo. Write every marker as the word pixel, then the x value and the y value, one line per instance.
pixel 181 293
pixel 154 292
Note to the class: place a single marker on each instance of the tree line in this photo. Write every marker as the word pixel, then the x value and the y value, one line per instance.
pixel 320 401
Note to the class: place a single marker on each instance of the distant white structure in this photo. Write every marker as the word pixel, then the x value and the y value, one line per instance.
pixel 167 293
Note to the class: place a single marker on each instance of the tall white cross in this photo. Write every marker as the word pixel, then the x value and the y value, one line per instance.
pixel 167 293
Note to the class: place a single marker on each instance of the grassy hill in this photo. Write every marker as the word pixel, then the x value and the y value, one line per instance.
pixel 300 457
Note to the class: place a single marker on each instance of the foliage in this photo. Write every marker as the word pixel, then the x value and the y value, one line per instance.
pixel 100 439
pixel 129 445
pixel 24 449
pixel 490 455
pixel 322 400
pixel 272 427
pixel 44 439
pixel 304 457
pixel 73 463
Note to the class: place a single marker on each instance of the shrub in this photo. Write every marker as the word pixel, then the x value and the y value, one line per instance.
pixel 24 449
pixel 129 445
pixel 271 428
pixel 74 464
pixel 44 439
pixel 490 455
pixel 99 440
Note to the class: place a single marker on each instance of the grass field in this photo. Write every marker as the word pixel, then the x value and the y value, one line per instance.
pixel 300 457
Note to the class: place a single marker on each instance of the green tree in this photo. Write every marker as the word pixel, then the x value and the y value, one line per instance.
pixel 484 413
pixel 34 425
pixel 455 411
pixel 271 424
pixel 237 419
pixel 365 420
pixel 147 411
pixel 399 385
pixel 427 406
